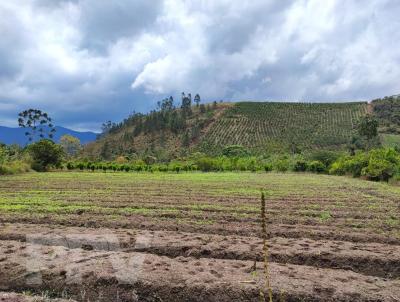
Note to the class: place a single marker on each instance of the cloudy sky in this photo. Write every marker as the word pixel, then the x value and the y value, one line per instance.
pixel 88 61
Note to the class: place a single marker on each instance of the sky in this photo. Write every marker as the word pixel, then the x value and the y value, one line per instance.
pixel 88 61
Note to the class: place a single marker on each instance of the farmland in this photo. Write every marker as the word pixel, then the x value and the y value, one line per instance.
pixel 269 126
pixel 197 236
pixel 258 126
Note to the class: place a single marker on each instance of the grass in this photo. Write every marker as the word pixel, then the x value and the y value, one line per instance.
pixel 390 140
pixel 201 200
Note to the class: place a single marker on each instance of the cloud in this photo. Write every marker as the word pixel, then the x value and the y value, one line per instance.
pixel 87 61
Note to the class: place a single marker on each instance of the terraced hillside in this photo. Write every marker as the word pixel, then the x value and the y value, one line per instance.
pixel 196 237
pixel 277 126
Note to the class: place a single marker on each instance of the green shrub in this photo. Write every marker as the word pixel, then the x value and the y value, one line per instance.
pixel 282 165
pixel 45 154
pixel 300 166
pixel 324 156
pixel 316 167
pixel 207 164
pixel 339 167
pixel 350 165
pixel 383 164
pixel 268 167
pixel 14 167
pixel 150 160
pixel 235 151
pixel 378 164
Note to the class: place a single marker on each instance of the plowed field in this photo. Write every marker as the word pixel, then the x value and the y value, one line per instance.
pixel 197 237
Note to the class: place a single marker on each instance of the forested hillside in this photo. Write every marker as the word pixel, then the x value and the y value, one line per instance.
pixel 387 112
pixel 261 127
pixel 167 132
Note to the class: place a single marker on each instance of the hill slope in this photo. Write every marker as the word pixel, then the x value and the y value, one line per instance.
pixel 277 126
pixel 165 135
pixel 17 135
pixel 259 126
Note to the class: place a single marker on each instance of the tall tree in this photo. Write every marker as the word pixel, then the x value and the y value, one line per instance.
pixel 38 124
pixel 186 104
pixel 70 144
pixel 368 127
pixel 197 100
pixel 107 127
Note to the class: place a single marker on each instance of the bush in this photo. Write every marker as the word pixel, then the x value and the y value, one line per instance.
pixel 378 164
pixel 383 164
pixel 14 167
pixel 268 167
pixel 235 151
pixel 282 165
pixel 316 167
pixel 207 164
pixel 300 166
pixel 324 156
pixel 350 165
pixel 45 154
pixel 150 160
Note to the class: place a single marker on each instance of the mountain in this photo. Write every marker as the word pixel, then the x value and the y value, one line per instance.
pixel 17 135
pixel 258 126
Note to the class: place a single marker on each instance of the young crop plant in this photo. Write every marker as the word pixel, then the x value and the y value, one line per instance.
pixel 267 285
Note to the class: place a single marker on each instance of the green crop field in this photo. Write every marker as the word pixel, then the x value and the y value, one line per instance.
pixel 268 126
pixel 202 227
pixel 197 198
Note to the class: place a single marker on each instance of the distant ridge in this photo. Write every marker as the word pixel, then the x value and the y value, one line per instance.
pixel 17 135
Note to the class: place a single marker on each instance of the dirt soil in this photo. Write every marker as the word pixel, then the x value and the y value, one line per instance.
pixel 126 237
pixel 102 276
pixel 374 259
pixel 14 297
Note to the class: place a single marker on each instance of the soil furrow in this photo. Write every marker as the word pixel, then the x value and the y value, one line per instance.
pixel 367 258
pixel 102 276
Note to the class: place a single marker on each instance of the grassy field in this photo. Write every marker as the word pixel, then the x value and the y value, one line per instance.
pixel 345 229
pixel 391 140
pixel 204 199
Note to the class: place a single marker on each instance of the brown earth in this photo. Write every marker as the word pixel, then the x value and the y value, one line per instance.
pixel 14 297
pixel 374 259
pixel 102 276
pixel 137 237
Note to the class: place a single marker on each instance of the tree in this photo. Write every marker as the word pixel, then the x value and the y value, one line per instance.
pixel 45 153
pixel 107 127
pixel 105 152
pixel 166 104
pixel 70 144
pixel 186 140
pixel 197 100
pixel 368 130
pixel 3 153
pixel 368 127
pixel 37 123
pixel 186 104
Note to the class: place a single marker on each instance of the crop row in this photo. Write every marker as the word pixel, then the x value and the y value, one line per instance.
pixel 260 124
